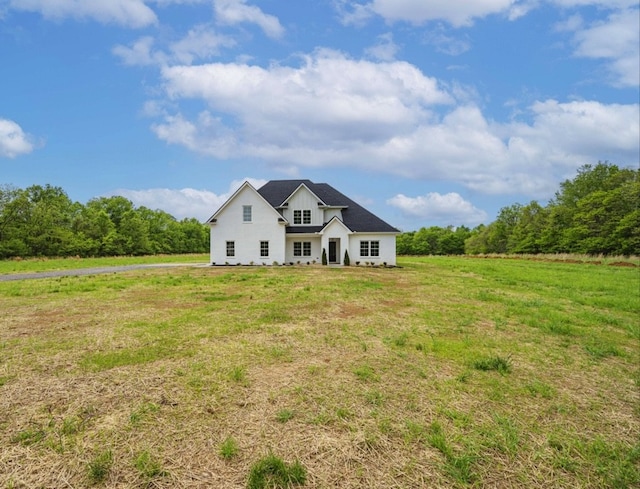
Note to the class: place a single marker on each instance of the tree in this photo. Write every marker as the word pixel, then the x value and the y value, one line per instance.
pixel 452 242
pixel 404 244
pixel 476 243
pixel 194 237
pixel 161 230
pixel 500 232
pixel 134 233
pixel 583 216
pixel 527 233
pixel 47 225
pixel 13 211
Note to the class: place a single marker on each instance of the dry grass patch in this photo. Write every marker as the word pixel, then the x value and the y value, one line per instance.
pixel 190 377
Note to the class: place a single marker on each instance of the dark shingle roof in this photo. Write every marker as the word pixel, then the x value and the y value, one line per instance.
pixel 354 216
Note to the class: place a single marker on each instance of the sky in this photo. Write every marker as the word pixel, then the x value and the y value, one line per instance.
pixel 426 112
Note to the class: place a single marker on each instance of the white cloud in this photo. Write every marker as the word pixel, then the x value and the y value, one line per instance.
pixel 353 13
pixel 139 53
pixel 388 117
pixel 385 49
pixel 564 136
pixel 616 40
pixel 570 24
pixel 130 13
pixel 445 208
pixel 200 43
pixel 13 140
pixel 456 12
pixel 233 12
pixel 207 135
pixel 608 4
pixel 328 98
pixel 186 202
pixel 444 43
pixel 164 3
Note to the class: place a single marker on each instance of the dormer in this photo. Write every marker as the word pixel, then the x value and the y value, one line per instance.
pixel 303 208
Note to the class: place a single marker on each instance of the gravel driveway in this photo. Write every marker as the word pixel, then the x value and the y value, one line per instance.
pixel 91 271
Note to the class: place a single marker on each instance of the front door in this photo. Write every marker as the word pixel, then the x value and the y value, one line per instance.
pixel 333 252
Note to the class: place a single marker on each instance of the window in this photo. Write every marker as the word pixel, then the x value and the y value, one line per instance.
pixel 302 248
pixel 246 213
pixel 375 248
pixel 302 216
pixel 364 248
pixel 369 248
pixel 264 248
pixel 231 248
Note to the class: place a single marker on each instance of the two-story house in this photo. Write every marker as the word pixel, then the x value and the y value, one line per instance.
pixel 291 221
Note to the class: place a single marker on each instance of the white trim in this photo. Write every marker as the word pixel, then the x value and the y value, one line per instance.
pixel 211 220
pixel 296 191
pixel 334 218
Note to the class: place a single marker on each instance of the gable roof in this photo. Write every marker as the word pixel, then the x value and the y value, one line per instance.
pixel 246 184
pixel 354 216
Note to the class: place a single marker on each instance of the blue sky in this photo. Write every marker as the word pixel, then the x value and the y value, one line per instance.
pixel 427 112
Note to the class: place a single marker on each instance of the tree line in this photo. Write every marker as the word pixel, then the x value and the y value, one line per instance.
pixel 43 221
pixel 597 212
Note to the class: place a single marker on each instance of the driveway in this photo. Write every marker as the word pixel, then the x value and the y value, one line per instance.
pixel 91 271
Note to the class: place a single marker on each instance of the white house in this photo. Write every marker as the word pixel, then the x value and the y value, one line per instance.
pixel 291 221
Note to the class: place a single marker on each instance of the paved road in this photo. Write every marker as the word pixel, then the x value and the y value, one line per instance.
pixel 92 271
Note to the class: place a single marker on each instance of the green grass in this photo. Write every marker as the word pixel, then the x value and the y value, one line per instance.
pixel 46 264
pixel 271 472
pixel 285 415
pixel 148 465
pixel 498 363
pixel 99 467
pixel 476 372
pixel 229 448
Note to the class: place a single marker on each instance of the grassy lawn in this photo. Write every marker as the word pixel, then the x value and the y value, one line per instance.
pixel 446 372
pixel 46 264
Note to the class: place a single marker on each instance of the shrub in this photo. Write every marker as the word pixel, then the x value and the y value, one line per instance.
pixel 347 261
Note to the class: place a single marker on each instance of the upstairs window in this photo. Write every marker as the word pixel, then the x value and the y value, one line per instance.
pixel 246 213
pixel 302 216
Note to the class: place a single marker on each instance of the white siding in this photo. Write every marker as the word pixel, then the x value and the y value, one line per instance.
pixel 331 213
pixel 387 248
pixel 316 249
pixel 301 200
pixel 336 231
pixel 264 226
